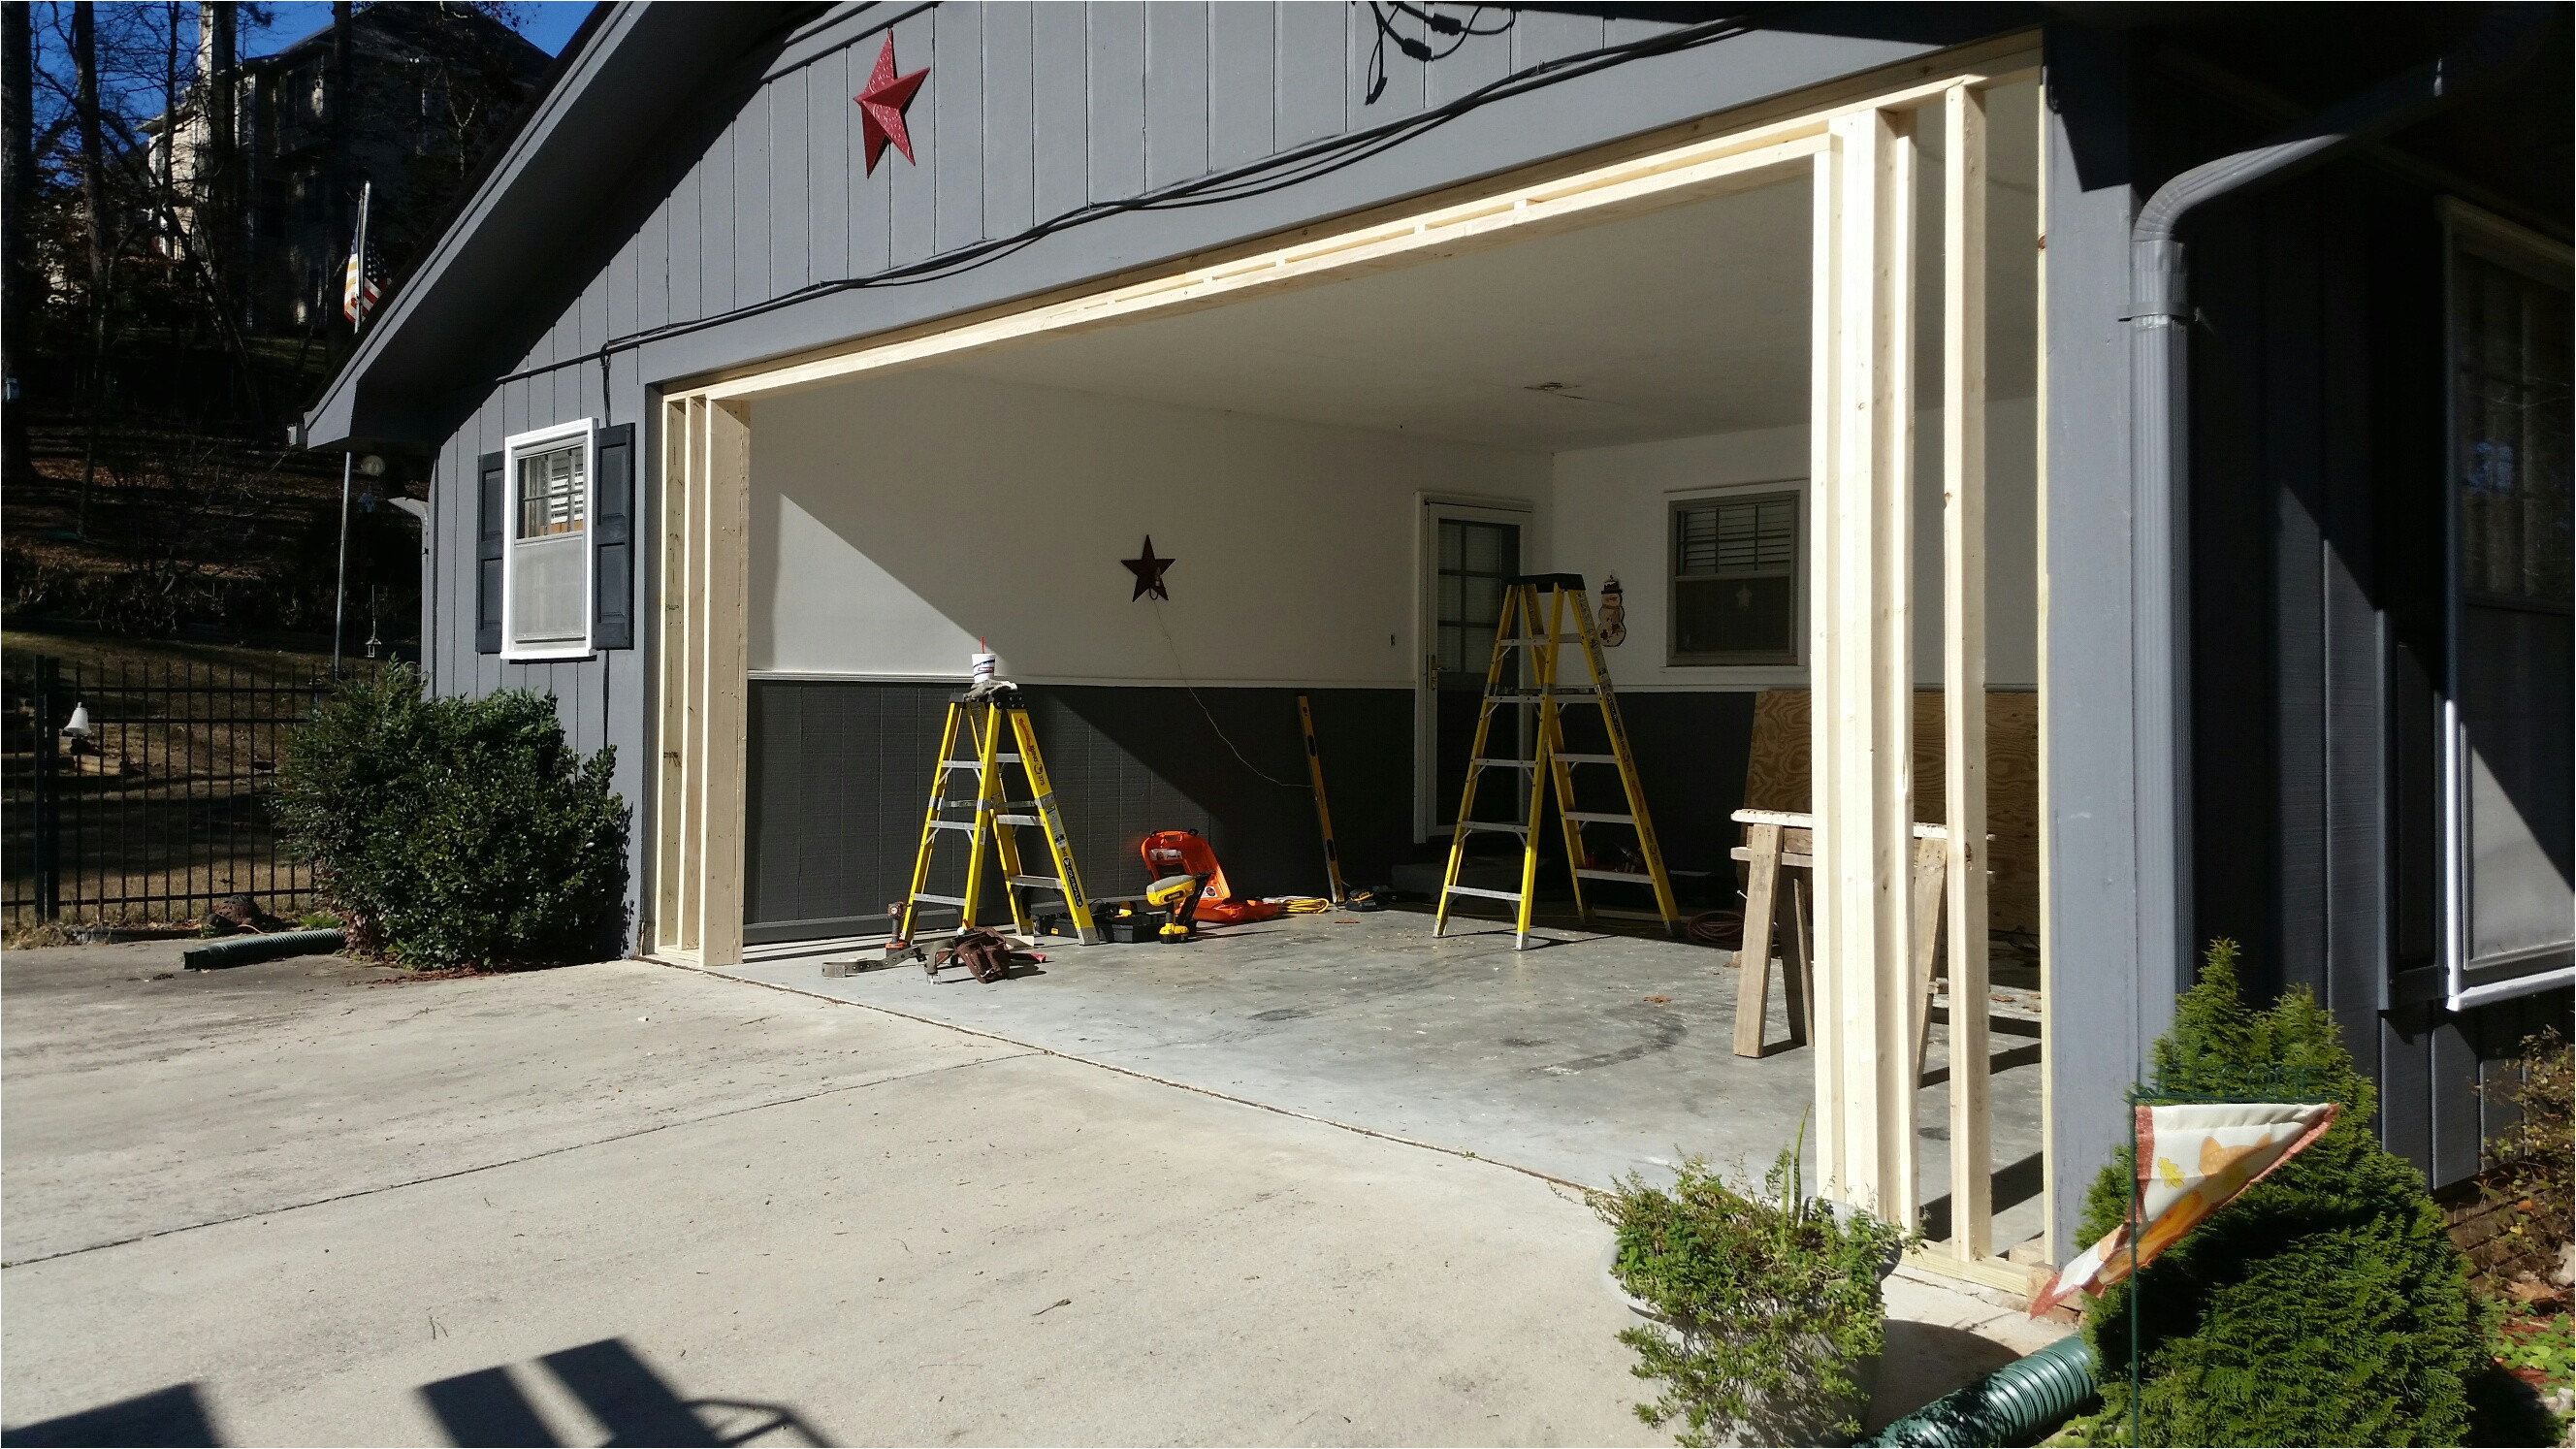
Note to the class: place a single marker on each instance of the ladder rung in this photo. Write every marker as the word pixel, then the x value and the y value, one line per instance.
pixel 1513 896
pixel 1586 759
pixel 962 804
pixel 1633 877
pixel 965 825
pixel 942 900
pixel 1525 643
pixel 1019 820
pixel 1600 817
pixel 1048 881
pixel 978 764
pixel 1514 764
pixel 1495 825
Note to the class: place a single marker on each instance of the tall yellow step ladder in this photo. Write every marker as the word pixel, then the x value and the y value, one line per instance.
pixel 983 723
pixel 1529 646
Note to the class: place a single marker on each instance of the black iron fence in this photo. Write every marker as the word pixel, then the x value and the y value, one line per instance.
pixel 140 792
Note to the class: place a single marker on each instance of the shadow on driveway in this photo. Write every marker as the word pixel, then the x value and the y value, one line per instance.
pixel 485 1407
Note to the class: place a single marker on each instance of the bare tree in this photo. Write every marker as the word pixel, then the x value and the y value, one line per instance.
pixel 94 204
pixel 17 200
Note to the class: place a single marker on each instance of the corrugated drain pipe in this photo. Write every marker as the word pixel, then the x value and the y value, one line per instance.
pixel 2160 443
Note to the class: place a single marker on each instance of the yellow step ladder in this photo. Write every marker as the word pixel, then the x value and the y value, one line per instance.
pixel 984 723
pixel 1521 636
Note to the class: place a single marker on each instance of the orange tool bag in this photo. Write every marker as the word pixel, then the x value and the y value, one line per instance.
pixel 1185 852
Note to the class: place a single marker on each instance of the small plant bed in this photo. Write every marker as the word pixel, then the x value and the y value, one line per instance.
pixel 1769 1308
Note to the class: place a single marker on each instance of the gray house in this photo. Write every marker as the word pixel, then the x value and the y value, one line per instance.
pixel 2136 437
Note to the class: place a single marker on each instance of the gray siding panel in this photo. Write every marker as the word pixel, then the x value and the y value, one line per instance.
pixel 1479 60
pixel 754 220
pixel 1547 35
pixel 791 181
pixel 2103 1008
pixel 1242 101
pixel 1313 73
pixel 1176 91
pixel 827 167
pixel 1117 51
pixel 1060 80
pixel 912 193
pixel 1010 121
pixel 958 100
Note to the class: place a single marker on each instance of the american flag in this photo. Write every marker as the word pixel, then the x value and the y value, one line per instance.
pixel 363 282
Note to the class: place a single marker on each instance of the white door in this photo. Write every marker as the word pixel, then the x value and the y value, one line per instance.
pixel 1470 554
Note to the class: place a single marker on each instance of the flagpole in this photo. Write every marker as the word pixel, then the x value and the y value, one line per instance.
pixel 348 460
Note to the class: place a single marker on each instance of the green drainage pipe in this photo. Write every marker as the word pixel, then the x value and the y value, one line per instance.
pixel 2012 1405
pixel 243 950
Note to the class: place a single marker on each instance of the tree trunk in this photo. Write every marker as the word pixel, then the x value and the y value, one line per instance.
pixel 17 195
pixel 94 206
pixel 219 73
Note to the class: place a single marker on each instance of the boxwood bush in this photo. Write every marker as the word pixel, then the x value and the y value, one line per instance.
pixel 456 832
pixel 2326 1304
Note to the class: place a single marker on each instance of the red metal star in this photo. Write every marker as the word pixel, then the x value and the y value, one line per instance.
pixel 882 104
pixel 1149 573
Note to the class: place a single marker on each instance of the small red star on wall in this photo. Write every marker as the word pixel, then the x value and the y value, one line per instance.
pixel 882 104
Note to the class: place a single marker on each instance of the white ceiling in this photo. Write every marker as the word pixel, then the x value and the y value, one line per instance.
pixel 1680 322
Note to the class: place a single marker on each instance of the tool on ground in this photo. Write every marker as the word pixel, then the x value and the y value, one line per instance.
pixel 1186 852
pixel 1539 644
pixel 1179 895
pixel 983 720
pixel 985 953
pixel 1323 810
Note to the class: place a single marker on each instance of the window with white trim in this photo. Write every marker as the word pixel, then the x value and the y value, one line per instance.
pixel 1738 578
pixel 546 608
pixel 2511 835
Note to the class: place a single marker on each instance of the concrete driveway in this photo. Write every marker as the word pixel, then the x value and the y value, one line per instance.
pixel 289 1204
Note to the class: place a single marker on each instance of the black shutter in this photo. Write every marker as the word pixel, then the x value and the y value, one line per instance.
pixel 613 540
pixel 490 546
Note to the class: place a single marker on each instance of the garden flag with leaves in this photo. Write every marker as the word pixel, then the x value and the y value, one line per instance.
pixel 2193 1157
pixel 364 279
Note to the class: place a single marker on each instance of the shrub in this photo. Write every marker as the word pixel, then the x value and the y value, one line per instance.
pixel 1770 1304
pixel 2532 1171
pixel 456 832
pixel 2326 1304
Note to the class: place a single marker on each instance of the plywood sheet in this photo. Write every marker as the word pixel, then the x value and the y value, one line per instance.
pixel 1776 778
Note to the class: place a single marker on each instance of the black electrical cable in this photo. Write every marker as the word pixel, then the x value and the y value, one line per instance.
pixel 1293 167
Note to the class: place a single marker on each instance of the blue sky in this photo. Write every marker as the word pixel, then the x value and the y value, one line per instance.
pixel 549 23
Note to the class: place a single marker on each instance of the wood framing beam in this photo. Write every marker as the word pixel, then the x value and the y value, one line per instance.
pixel 1861 666
pixel 723 683
pixel 1963 659
pixel 670 813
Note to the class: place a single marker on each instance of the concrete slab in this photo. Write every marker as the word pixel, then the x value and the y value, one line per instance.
pixel 625 1202
pixel 1595 1056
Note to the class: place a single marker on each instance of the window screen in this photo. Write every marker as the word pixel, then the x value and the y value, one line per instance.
pixel 549 557
pixel 2510 359
pixel 1735 580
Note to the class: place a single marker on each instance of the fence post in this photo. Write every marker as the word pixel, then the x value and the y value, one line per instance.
pixel 46 813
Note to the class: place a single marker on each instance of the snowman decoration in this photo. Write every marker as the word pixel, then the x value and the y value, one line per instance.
pixel 1614 613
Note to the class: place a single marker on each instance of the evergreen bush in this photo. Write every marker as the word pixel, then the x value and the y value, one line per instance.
pixel 1770 1303
pixel 2326 1304
pixel 456 832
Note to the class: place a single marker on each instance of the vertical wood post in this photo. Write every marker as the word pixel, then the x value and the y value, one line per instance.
pixel 724 679
pixel 1861 665
pixel 671 652
pixel 1963 658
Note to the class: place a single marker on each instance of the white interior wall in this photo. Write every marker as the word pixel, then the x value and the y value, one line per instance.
pixel 897 520
pixel 1610 517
